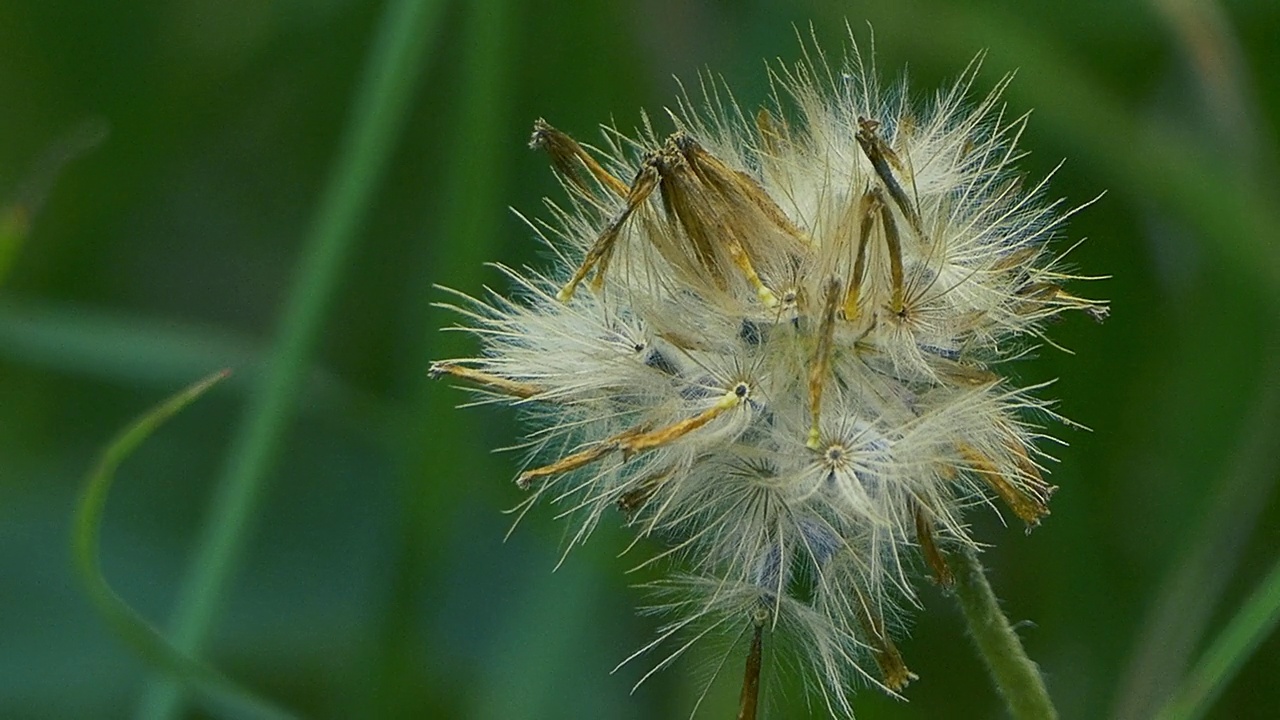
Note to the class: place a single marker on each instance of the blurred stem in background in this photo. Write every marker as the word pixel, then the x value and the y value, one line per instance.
pixel 1213 51
pixel 1184 603
pixel 1195 695
pixel 17 213
pixel 214 688
pixel 405 33
pixel 439 452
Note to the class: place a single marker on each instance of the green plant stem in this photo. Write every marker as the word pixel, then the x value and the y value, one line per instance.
pixel 1254 623
pixel 1015 675
pixel 126 623
pixel 385 91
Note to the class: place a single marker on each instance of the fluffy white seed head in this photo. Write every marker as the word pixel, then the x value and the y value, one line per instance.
pixel 770 341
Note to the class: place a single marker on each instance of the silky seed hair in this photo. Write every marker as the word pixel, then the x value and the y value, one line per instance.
pixel 772 341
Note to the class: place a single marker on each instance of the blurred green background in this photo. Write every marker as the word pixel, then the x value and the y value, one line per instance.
pixel 167 173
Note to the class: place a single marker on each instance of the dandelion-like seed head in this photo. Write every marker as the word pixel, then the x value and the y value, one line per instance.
pixel 772 340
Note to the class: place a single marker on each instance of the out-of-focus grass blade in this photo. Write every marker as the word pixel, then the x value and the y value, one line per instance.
pixel 1212 46
pixel 127 624
pixel 15 221
pixel 406 31
pixel 436 452
pixel 90 342
pixel 1185 602
pixel 142 352
pixel 1254 623
pixel 16 214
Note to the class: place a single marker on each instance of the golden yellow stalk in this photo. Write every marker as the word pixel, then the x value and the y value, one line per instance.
pixel 636 439
pixel 578 459
pixel 492 382
pixel 677 430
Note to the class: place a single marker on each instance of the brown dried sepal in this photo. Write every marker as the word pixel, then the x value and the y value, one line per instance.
pixel 736 186
pixel 772 137
pixel 929 550
pixel 961 372
pixel 719 209
pixel 749 699
pixel 489 381
pixel 602 250
pixel 636 498
pixel 1030 507
pixel 881 157
pixel 820 366
pixel 1037 296
pixel 868 208
pixel 893 242
pixel 563 151
pixel 1028 472
pixel 893 670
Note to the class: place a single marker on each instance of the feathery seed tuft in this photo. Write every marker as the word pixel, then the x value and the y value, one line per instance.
pixel 772 341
